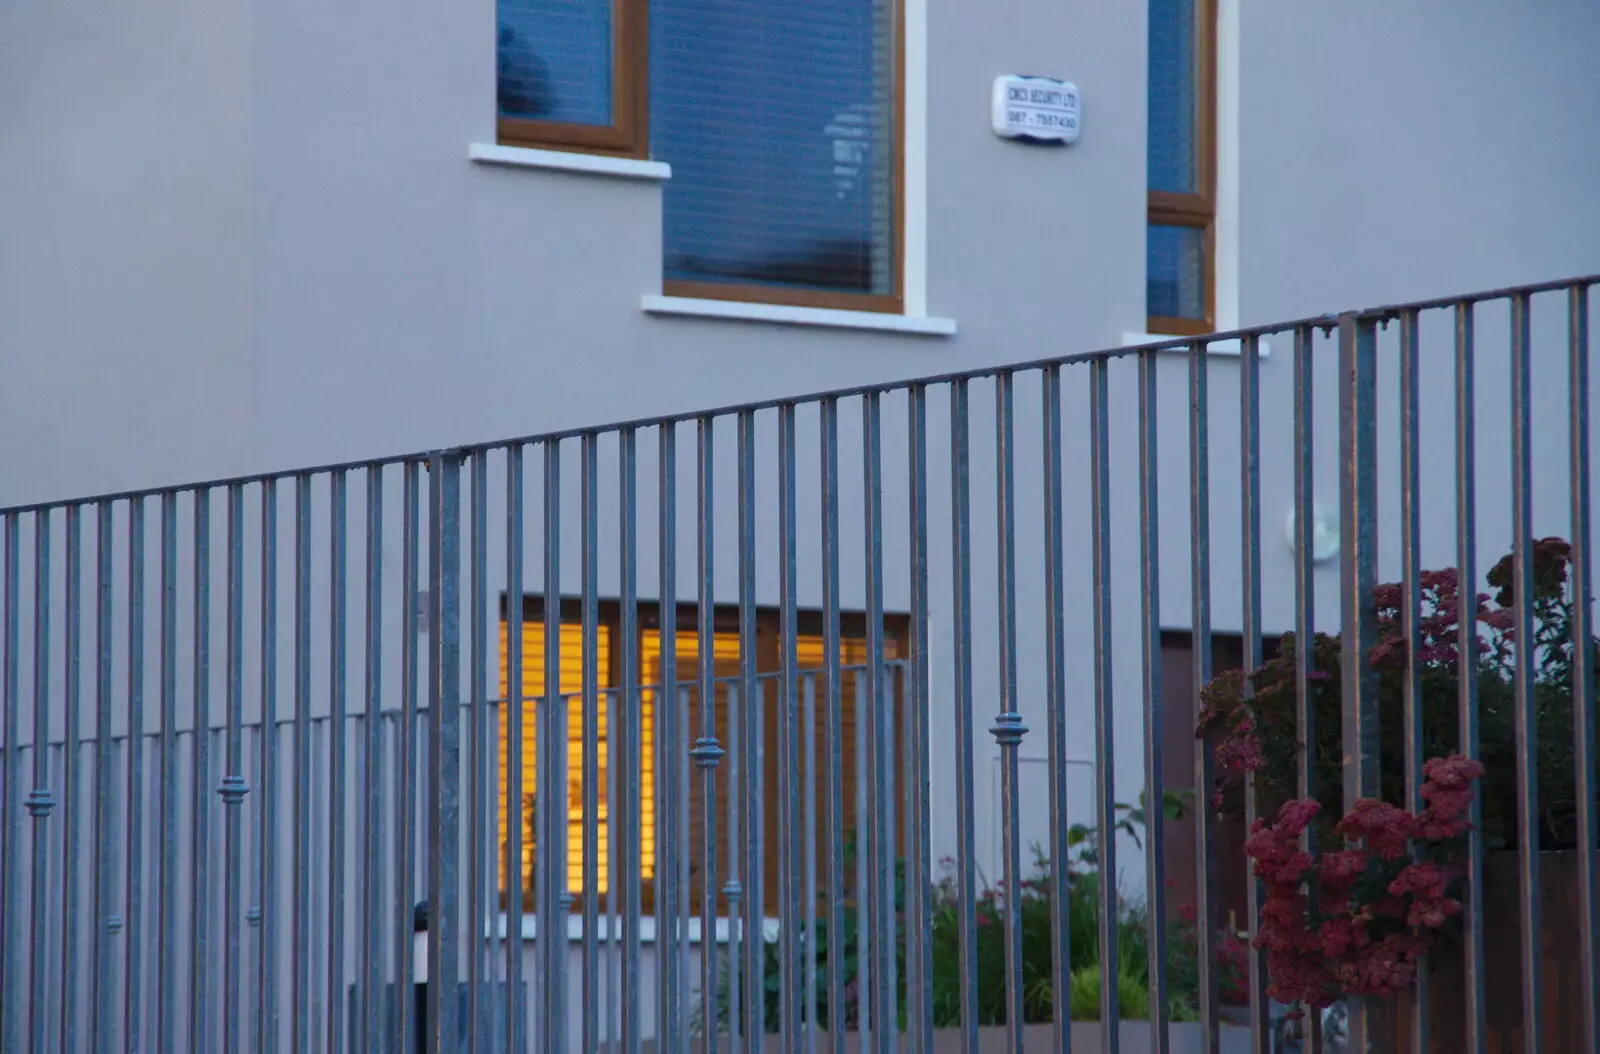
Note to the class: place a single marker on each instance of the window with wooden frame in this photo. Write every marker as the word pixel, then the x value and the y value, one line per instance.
pixel 782 121
pixel 572 75
pixel 690 819
pixel 1180 276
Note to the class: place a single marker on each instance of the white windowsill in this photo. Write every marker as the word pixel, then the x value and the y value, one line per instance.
pixel 647 929
pixel 827 318
pixel 562 161
pixel 1233 348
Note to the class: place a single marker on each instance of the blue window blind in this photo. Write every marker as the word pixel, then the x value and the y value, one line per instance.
pixel 777 118
pixel 554 60
pixel 1173 78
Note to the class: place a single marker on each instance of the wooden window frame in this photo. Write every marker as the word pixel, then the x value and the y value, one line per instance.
pixel 1198 210
pixel 628 134
pixel 725 619
pixel 891 303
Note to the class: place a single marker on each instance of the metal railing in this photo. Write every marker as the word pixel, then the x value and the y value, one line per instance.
pixel 252 886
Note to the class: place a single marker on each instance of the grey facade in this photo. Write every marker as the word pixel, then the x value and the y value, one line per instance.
pixel 239 237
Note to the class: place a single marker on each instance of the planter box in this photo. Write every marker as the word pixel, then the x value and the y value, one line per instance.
pixel 1134 1036
pixel 1560 946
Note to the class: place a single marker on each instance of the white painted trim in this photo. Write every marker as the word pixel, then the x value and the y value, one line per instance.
pixel 1228 164
pixel 914 239
pixel 725 927
pixel 1231 348
pixel 830 318
pixel 563 161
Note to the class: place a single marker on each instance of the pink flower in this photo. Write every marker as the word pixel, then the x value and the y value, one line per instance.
pixel 1343 867
pixel 1387 828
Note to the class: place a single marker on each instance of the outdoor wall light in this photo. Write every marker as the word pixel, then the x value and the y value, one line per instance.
pixel 1324 534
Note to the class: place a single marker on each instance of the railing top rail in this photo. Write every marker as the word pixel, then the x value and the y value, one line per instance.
pixel 980 373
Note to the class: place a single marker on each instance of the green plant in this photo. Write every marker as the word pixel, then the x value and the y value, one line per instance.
pixel 1083 840
pixel 1081 921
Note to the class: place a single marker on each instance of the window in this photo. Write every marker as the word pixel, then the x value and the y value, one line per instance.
pixel 572 75
pixel 726 658
pixel 1181 235
pixel 782 120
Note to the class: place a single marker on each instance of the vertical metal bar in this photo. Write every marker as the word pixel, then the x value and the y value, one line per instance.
pixel 11 1000
pixel 684 717
pixel 1358 501
pixel 405 808
pixel 338 606
pixel 1526 725
pixel 706 751
pixel 302 963
pixel 267 969
pixel 167 863
pixel 234 786
pixel 1410 617
pixel 102 963
pixel 866 938
pixel 1250 566
pixel 631 757
pixel 732 891
pixel 516 740
pixel 833 700
pixel 479 837
pixel 1583 690
pixel 41 802
pixel 133 905
pixel 790 975
pixel 670 807
pixel 72 669
pixel 881 854
pixel 1008 729
pixel 754 989
pixel 1104 718
pixel 200 870
pixel 591 746
pixel 1056 720
pixel 612 1026
pixel 444 747
pixel 961 601
pixel 1304 626
pixel 809 783
pixel 1472 918
pixel 1200 657
pixel 1150 626
pixel 551 791
pixel 372 869
pixel 918 804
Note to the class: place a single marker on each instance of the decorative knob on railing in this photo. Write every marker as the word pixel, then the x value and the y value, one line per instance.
pixel 706 753
pixel 1008 729
pixel 233 789
pixel 40 802
pixel 114 924
pixel 253 916
pixel 733 891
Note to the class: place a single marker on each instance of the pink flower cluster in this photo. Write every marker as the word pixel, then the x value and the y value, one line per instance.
pixel 1354 921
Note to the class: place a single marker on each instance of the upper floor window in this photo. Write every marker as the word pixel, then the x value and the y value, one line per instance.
pixel 572 75
pixel 1181 238
pixel 781 120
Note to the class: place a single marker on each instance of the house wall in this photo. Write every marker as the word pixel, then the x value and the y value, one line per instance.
pixel 238 238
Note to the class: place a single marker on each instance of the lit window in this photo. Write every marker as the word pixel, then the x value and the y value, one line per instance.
pixel 726 658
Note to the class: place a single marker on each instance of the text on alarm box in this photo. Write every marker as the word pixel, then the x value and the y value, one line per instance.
pixel 1036 109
